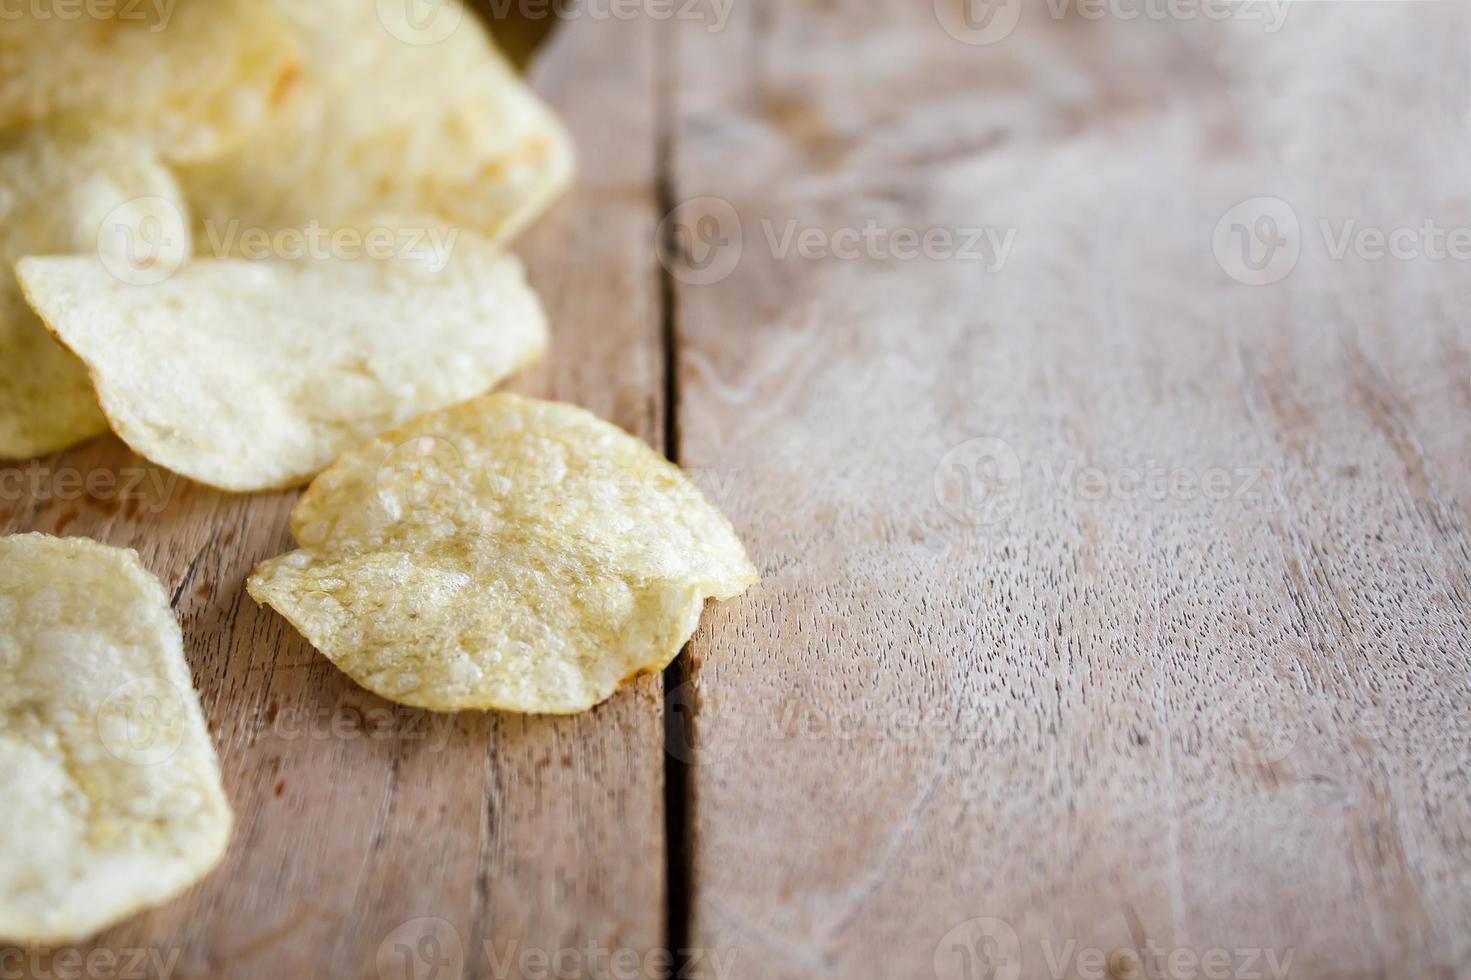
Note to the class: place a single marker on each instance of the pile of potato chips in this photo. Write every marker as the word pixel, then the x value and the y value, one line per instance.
pixel 262 240
pixel 266 230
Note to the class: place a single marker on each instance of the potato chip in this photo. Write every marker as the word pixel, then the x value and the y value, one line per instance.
pixel 392 113
pixel 252 375
pixel 505 553
pixel 112 791
pixel 193 75
pixel 71 189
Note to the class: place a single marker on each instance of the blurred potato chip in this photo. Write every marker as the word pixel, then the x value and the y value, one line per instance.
pixel 193 75
pixel 112 791
pixel 505 553
pixel 253 375
pixel 70 189
pixel 394 111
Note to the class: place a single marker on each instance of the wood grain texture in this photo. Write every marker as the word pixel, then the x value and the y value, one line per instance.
pixel 1115 616
pixel 1187 674
pixel 362 826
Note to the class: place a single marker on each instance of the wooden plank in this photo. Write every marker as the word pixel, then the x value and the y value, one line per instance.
pixel 1186 676
pixel 362 827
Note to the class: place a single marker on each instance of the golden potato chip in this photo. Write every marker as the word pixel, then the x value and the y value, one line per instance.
pixel 505 553
pixel 112 791
pixel 252 375
pixel 392 113
pixel 68 189
pixel 194 76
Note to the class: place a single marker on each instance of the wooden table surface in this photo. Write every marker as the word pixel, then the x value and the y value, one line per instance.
pixel 1116 611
